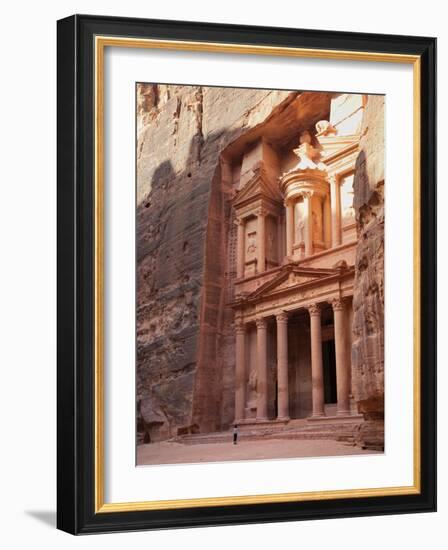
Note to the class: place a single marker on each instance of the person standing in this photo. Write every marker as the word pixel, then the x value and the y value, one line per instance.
pixel 235 434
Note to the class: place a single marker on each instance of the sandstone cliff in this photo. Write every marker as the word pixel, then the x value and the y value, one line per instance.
pixel 368 299
pixel 180 200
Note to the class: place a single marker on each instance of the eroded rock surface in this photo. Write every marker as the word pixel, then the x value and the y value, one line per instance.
pixel 180 200
pixel 368 299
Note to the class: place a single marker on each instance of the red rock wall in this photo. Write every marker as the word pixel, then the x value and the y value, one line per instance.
pixel 368 300
pixel 182 229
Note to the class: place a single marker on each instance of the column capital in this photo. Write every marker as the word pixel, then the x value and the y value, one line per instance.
pixel 282 317
pixel 261 212
pixel 307 194
pixel 337 304
pixel 239 221
pixel 314 310
pixel 240 326
pixel 333 179
pixel 261 322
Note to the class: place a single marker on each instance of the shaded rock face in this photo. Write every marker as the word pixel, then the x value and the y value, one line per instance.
pixel 368 299
pixel 182 226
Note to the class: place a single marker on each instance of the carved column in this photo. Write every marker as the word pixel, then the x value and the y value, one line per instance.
pixel 289 228
pixel 342 365
pixel 262 370
pixel 240 370
pixel 261 237
pixel 307 197
pixel 317 371
pixel 240 248
pixel 282 366
pixel 335 193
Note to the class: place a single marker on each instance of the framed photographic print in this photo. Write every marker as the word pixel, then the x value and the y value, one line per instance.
pixel 246 274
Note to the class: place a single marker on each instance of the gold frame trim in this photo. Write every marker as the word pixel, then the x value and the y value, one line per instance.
pixel 101 42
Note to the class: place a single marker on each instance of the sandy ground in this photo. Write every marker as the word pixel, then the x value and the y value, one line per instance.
pixel 177 453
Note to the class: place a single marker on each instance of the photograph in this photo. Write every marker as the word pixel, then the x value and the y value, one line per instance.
pixel 259 273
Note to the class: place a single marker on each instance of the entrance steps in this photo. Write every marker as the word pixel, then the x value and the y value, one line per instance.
pixel 328 428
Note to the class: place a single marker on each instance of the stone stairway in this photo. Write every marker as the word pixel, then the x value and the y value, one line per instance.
pixel 333 429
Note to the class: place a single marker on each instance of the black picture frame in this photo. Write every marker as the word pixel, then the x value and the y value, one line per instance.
pixel 76 512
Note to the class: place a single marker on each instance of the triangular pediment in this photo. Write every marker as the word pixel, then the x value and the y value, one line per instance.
pixel 293 279
pixel 257 187
pixel 291 276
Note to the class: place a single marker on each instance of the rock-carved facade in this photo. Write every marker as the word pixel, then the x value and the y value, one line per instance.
pixel 296 246
pixel 276 263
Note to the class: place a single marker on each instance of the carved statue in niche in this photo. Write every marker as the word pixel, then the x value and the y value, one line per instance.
pixel 270 244
pixel 300 230
pixel 347 194
pixel 317 224
pixel 251 244
pixel 300 224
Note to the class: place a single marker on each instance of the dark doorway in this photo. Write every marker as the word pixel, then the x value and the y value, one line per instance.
pixel 329 364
